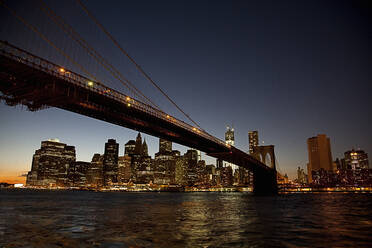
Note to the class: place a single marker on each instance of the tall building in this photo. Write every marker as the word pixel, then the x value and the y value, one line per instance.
pixel 78 172
pixel 320 156
pixel 164 164
pixel 143 172
pixel 242 177
pixel 229 136
pixel 138 145
pixel 129 148
pixel 181 169
pixel 51 163
pixel 198 154
pixel 230 140
pixel 191 159
pixel 110 162
pixel 226 175
pixel 145 151
pixel 95 172
pixel 356 159
pixel 252 140
pixel 125 170
pixel 165 146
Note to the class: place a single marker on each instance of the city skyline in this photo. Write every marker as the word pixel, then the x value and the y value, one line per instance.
pixel 285 113
pixel 21 178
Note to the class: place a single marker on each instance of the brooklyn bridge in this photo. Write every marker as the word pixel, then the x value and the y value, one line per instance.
pixel 31 80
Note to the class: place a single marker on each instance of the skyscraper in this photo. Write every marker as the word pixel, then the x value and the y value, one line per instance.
pixel 165 146
pixel 129 148
pixel 145 151
pixel 356 159
pixel 164 164
pixel 229 136
pixel 138 145
pixel 230 140
pixel 51 163
pixel 253 140
pixel 320 156
pixel 125 170
pixel 110 162
pixel 198 154
pixel 95 172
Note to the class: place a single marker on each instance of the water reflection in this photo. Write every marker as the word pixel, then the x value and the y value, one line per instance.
pixel 91 219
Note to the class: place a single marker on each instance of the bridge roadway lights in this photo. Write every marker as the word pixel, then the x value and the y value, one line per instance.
pixel 264 182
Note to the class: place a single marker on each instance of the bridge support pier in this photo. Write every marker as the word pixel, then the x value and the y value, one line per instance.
pixel 265 182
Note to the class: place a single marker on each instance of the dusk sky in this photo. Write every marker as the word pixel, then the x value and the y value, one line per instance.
pixel 289 69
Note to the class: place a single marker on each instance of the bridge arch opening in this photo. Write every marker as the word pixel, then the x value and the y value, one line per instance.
pixel 268 160
pixel 261 158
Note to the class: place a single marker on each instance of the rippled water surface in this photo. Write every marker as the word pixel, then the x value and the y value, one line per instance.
pixel 93 219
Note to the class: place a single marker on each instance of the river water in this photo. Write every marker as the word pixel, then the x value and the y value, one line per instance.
pixel 30 218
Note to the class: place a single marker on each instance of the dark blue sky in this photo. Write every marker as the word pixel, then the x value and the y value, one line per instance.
pixel 289 69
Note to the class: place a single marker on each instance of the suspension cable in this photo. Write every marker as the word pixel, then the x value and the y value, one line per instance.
pixel 100 59
pixel 132 60
pixel 35 30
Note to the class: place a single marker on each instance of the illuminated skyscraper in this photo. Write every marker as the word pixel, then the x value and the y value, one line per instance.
pixel 198 154
pixel 356 159
pixel 230 140
pixel 51 163
pixel 129 148
pixel 229 136
pixel 125 170
pixel 165 146
pixel 110 162
pixel 320 156
pixel 95 173
pixel 253 140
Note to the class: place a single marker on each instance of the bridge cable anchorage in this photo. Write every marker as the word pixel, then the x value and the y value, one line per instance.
pixel 35 30
pixel 133 61
pixel 93 53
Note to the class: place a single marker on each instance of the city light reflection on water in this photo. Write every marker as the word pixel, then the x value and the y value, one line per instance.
pixel 114 219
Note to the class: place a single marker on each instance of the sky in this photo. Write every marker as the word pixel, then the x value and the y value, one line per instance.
pixel 289 69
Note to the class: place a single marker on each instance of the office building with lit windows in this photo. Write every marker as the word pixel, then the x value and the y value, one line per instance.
pixel 252 140
pixel 356 159
pixel 320 156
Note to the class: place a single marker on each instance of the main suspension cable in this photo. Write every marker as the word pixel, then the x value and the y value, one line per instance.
pixel 132 60
pixel 35 30
pixel 91 51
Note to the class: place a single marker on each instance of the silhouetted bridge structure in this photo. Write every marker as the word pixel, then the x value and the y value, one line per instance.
pixel 37 83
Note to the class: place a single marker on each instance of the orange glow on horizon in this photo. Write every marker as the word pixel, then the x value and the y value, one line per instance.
pixel 12 179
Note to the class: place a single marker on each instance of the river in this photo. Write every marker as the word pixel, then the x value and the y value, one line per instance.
pixel 33 218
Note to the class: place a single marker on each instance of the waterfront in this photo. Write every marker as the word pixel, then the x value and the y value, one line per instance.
pixel 33 218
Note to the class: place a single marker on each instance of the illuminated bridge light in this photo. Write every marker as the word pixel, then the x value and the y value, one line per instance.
pixel 62 70
pixel 128 104
pixel 127 98
pixel 168 116
pixel 194 128
pixel 90 83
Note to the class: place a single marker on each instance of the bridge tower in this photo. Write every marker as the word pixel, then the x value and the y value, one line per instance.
pixel 265 183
